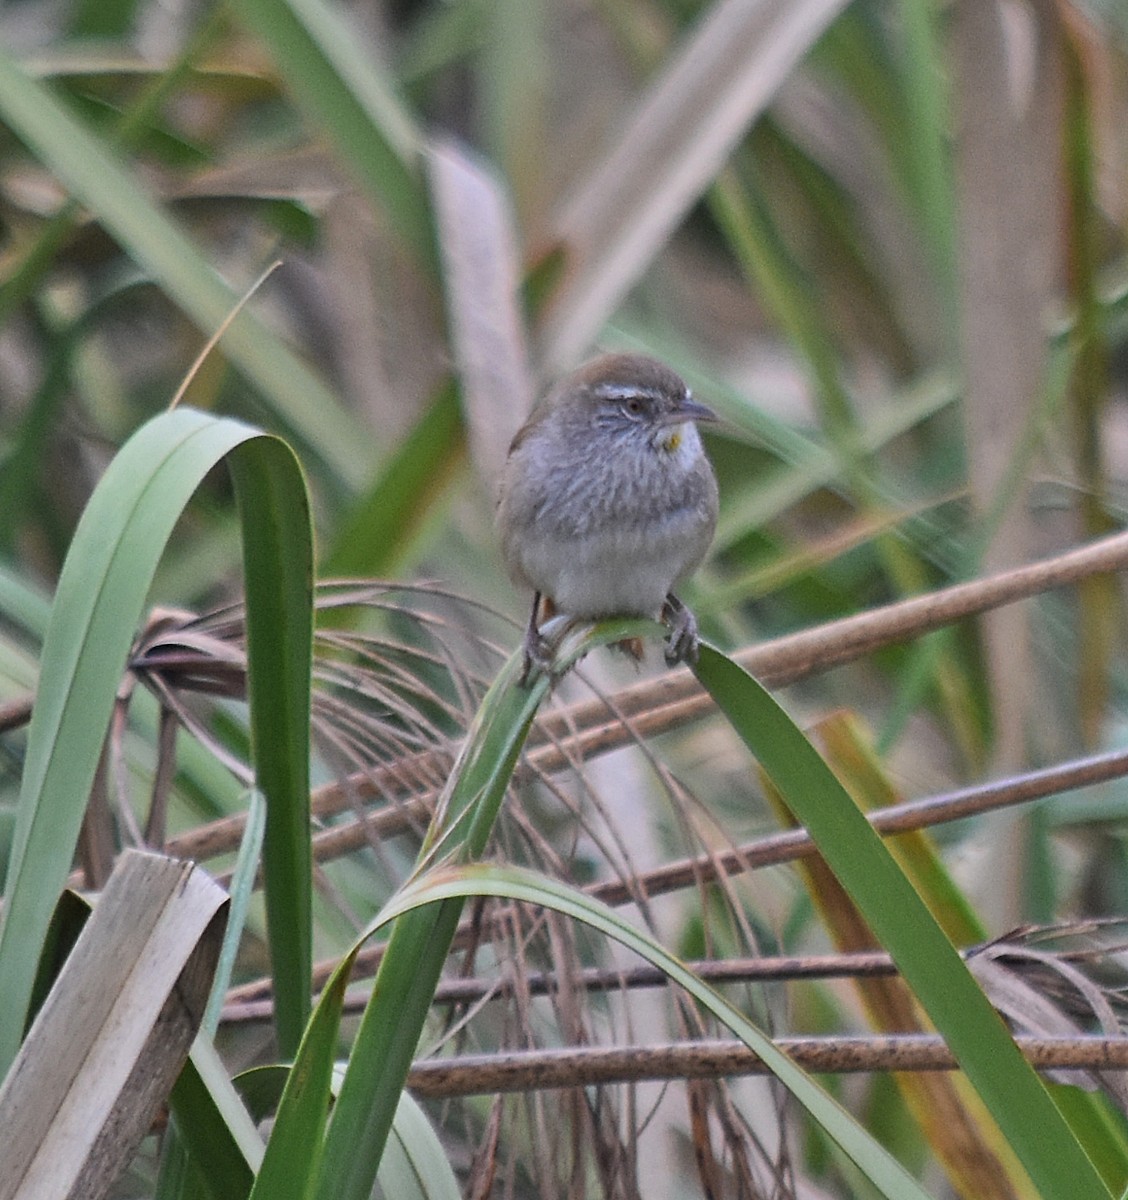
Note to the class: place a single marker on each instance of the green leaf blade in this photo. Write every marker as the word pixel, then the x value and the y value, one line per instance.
pixel 518 883
pixel 278 567
pixel 974 1031
pixel 98 604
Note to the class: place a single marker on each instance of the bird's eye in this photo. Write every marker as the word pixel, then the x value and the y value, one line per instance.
pixel 633 405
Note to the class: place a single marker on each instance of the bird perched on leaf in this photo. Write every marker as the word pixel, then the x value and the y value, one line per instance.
pixel 608 501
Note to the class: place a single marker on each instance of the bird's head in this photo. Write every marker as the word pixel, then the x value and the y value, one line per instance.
pixel 634 398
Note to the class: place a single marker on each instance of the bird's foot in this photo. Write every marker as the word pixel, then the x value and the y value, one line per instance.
pixel 683 643
pixel 537 654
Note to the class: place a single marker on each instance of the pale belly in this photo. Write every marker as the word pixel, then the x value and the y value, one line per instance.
pixel 614 574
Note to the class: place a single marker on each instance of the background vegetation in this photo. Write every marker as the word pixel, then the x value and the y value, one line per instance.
pixel 884 239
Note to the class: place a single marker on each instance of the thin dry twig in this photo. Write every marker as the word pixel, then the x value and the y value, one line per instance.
pixel 1017 949
pixel 793 844
pixel 761 969
pixel 215 338
pixel 586 1066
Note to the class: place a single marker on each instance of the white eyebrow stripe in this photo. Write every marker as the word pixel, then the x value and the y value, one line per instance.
pixel 624 391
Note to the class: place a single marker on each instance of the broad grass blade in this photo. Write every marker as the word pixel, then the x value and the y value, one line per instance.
pixel 902 923
pixel 97 607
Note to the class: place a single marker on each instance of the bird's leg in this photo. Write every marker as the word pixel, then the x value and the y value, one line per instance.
pixel 535 647
pixel 683 643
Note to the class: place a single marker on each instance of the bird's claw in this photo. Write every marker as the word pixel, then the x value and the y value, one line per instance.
pixel 537 655
pixel 683 643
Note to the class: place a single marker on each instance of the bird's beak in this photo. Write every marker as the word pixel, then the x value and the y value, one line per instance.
pixel 688 410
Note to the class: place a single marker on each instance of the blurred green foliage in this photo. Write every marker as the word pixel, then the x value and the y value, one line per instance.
pixel 885 240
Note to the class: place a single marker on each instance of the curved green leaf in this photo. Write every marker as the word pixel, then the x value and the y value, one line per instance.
pixel 899 918
pixel 97 607
pixel 451 885
pixel 278 569
pixel 518 883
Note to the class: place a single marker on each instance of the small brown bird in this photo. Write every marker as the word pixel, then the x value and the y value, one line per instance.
pixel 607 500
